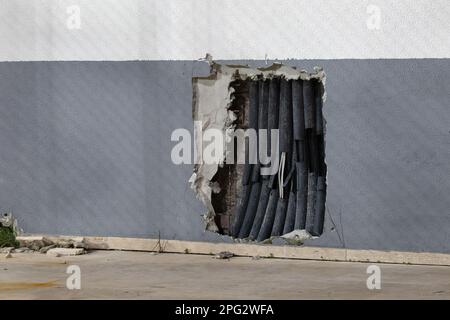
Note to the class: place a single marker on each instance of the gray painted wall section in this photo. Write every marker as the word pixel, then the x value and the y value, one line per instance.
pixel 85 150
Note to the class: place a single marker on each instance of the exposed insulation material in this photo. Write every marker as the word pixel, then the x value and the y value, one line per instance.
pixel 278 97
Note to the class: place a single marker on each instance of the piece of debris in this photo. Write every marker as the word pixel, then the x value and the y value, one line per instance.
pixel 256 257
pixel 64 244
pixel 79 244
pixel 34 243
pixel 43 244
pixel 22 250
pixel 8 255
pixel 224 255
pixel 6 249
pixel 46 248
pixel 36 246
pixel 70 243
pixel 60 252
pixel 297 235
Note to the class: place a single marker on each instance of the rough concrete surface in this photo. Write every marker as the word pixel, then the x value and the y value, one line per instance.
pixel 140 275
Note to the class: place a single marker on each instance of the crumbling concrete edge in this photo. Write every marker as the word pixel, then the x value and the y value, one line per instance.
pixel 252 250
pixel 212 98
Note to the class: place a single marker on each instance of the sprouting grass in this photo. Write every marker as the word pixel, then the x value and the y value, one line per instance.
pixel 7 237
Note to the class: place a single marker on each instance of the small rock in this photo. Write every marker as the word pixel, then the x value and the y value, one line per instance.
pixel 79 244
pixel 8 255
pixel 6 249
pixel 299 235
pixel 47 242
pixel 36 246
pixel 64 244
pixel 59 252
pixel 224 255
pixel 256 257
pixel 34 243
pixel 45 249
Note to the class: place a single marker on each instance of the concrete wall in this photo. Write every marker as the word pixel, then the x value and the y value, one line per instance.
pixel 85 150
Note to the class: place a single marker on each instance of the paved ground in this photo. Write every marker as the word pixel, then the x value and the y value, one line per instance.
pixel 141 275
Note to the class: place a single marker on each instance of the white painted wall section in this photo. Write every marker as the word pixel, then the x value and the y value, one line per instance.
pixel 33 30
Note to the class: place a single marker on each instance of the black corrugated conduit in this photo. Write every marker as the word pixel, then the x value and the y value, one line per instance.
pixel 294 198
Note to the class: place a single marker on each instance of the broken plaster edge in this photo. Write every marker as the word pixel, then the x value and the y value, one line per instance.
pixel 218 116
pixel 252 250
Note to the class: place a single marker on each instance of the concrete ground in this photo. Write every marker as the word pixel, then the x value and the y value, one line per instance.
pixel 143 275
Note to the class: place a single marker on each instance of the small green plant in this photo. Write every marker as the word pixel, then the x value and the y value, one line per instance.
pixel 8 237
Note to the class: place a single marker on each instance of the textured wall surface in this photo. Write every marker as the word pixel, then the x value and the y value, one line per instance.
pixel 68 30
pixel 85 149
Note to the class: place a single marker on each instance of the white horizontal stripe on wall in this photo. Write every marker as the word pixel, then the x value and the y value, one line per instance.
pixel 227 29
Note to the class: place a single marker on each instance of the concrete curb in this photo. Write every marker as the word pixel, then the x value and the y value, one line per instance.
pixel 250 250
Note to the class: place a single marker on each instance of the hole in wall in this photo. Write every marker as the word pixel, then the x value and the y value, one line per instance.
pixel 257 207
pixel 262 208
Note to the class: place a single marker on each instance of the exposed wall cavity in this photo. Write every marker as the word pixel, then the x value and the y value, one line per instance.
pixel 242 202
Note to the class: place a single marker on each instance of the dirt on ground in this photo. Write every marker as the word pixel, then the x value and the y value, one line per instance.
pixel 145 275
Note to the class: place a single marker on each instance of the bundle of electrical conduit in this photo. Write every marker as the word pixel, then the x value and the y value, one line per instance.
pixel 294 198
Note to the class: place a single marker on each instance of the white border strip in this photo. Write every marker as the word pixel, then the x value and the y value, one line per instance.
pixel 34 30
